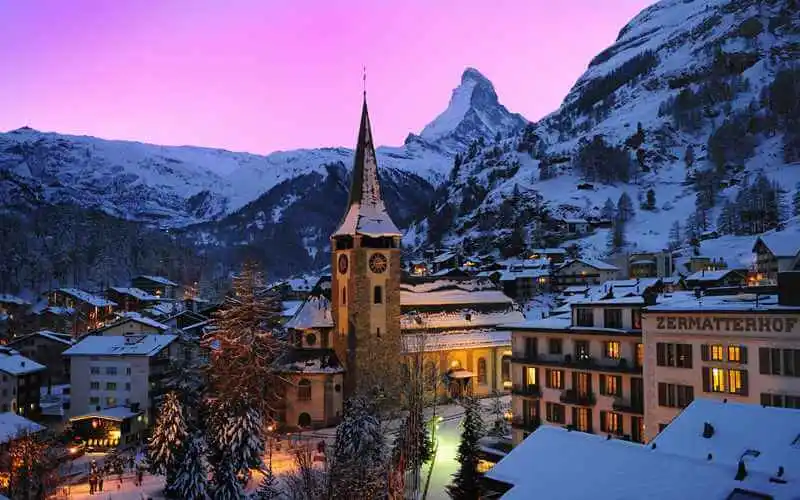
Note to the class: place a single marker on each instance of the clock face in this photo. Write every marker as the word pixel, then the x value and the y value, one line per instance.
pixel 378 263
pixel 343 264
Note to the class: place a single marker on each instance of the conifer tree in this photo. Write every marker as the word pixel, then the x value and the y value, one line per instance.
pixel 244 344
pixel 235 435
pixel 191 479
pixel 796 202
pixel 359 463
pixel 267 488
pixel 466 481
pixel 165 448
pixel 609 211
pixel 650 203
pixel 226 486
pixel 625 210
pixel 675 236
pixel 616 237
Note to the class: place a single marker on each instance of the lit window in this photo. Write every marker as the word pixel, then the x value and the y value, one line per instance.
pixel 717 380
pixel 613 423
pixel 530 375
pixel 734 354
pixel 584 422
pixel 716 353
pixel 555 379
pixel 482 371
pixel 111 386
pixel 612 350
pixel 612 387
pixel 735 384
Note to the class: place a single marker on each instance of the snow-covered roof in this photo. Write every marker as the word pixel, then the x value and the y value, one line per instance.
pixel 58 310
pixel 444 257
pixel 524 274
pixel 457 319
pixel 366 213
pixel 462 340
pixel 290 307
pixel 138 318
pixel 643 262
pixel 773 435
pixel 616 469
pixel 63 338
pixel 457 296
pixel 14 363
pixel 597 264
pixel 548 251
pixel 551 323
pixel 711 275
pixel 310 361
pixel 576 289
pixel 157 279
pixel 743 302
pixel 136 293
pixel 118 413
pixel 13 299
pixel 87 297
pixel 313 313
pixel 121 345
pixel 635 300
pixel 575 221
pixel 781 244
pixel 419 285
pixel 12 425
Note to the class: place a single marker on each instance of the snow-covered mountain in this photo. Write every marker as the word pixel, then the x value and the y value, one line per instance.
pixel 474 112
pixel 693 100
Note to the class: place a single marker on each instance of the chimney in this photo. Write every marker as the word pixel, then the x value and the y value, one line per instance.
pixel 789 288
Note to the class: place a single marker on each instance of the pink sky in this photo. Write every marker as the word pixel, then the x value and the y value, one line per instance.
pixel 259 75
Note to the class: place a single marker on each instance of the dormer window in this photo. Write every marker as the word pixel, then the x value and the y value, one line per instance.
pixel 584 317
pixel 612 318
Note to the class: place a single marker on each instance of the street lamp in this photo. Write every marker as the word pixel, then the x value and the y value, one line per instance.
pixel 270 429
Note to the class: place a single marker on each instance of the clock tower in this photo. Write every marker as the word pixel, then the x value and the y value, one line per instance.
pixel 365 286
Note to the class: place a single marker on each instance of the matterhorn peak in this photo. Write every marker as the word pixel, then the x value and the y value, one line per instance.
pixel 474 111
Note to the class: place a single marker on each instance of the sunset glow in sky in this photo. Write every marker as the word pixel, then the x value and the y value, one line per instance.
pixel 262 75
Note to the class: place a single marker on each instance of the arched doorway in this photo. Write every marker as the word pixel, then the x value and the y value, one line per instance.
pixel 304 420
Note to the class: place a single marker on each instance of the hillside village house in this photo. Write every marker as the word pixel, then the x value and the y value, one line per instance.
pixel 775 253
pixel 20 379
pixel 131 299
pixel 650 265
pixel 576 227
pixel 715 279
pixel 553 255
pixel 159 286
pixel 12 310
pixel 584 271
pixel 46 348
pixel 133 323
pixel 738 348
pixel 89 311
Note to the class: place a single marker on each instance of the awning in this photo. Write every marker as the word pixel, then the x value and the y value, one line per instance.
pixel 460 374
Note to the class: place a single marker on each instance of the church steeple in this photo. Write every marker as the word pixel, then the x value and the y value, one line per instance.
pixel 366 212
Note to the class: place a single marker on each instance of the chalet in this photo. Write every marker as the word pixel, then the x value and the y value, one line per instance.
pixel 13 426
pixel 312 369
pixel 776 252
pixel 650 264
pixel 184 319
pixel 699 263
pixel 131 299
pixel 295 288
pixel 553 255
pixel 109 428
pixel 714 279
pixel 584 272
pixel 133 323
pixel 20 379
pixel 12 311
pixel 46 347
pixel 90 311
pixel 446 260
pixel 576 226
pixel 523 282
pixel 156 285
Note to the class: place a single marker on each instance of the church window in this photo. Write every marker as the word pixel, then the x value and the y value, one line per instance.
pixel 377 295
pixel 304 390
pixel 482 371
pixel 344 295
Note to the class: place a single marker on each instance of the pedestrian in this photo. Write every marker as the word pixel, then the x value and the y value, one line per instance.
pixel 91 484
pixel 100 482
pixel 140 476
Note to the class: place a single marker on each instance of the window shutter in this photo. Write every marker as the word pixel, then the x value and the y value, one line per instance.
pixel 796 363
pixel 662 394
pixel 763 360
pixel 743 350
pixel 603 425
pixel 766 399
pixel 704 352
pixel 689 355
pixel 689 395
pixel 619 386
pixel 603 384
pixel 706 379
pixel 744 391
pixel 661 355
pixel 574 416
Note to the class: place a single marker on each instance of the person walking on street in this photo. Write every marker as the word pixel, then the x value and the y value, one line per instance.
pixel 100 482
pixel 91 483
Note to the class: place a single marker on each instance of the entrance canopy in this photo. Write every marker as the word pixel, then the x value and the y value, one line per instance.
pixel 458 374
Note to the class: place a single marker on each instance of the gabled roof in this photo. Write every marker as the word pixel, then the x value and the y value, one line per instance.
pixel 13 425
pixel 86 297
pixel 63 338
pixel 135 293
pixel 13 299
pixel 157 279
pixel 366 213
pixel 313 313
pixel 121 345
pixel 137 318
pixel 117 413
pixel 14 363
pixel 597 264
pixel 781 244
pixel 309 361
pixel 713 275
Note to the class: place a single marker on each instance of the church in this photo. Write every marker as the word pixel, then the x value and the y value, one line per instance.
pixel 364 330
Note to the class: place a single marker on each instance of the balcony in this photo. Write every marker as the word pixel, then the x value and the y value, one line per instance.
pixel 573 397
pixel 585 363
pixel 525 357
pixel 529 424
pixel 625 406
pixel 531 390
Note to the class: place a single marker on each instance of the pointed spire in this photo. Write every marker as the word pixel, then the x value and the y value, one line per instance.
pixel 366 212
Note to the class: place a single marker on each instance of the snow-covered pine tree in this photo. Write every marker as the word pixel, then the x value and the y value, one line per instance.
pixel 225 484
pixel 609 211
pixel 268 488
pixel 466 480
pixel 692 234
pixel 616 237
pixel 498 411
pixel 165 448
pixel 726 222
pixel 191 479
pixel 675 236
pixel 796 201
pixel 625 210
pixel 185 378
pixel 245 344
pixel 359 463
pixel 235 433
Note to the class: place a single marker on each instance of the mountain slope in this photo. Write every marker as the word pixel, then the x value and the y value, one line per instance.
pixel 683 75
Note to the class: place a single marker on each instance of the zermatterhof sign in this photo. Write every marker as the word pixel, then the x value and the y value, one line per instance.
pixel 763 323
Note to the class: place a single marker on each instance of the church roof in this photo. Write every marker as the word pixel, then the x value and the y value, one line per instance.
pixel 366 212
